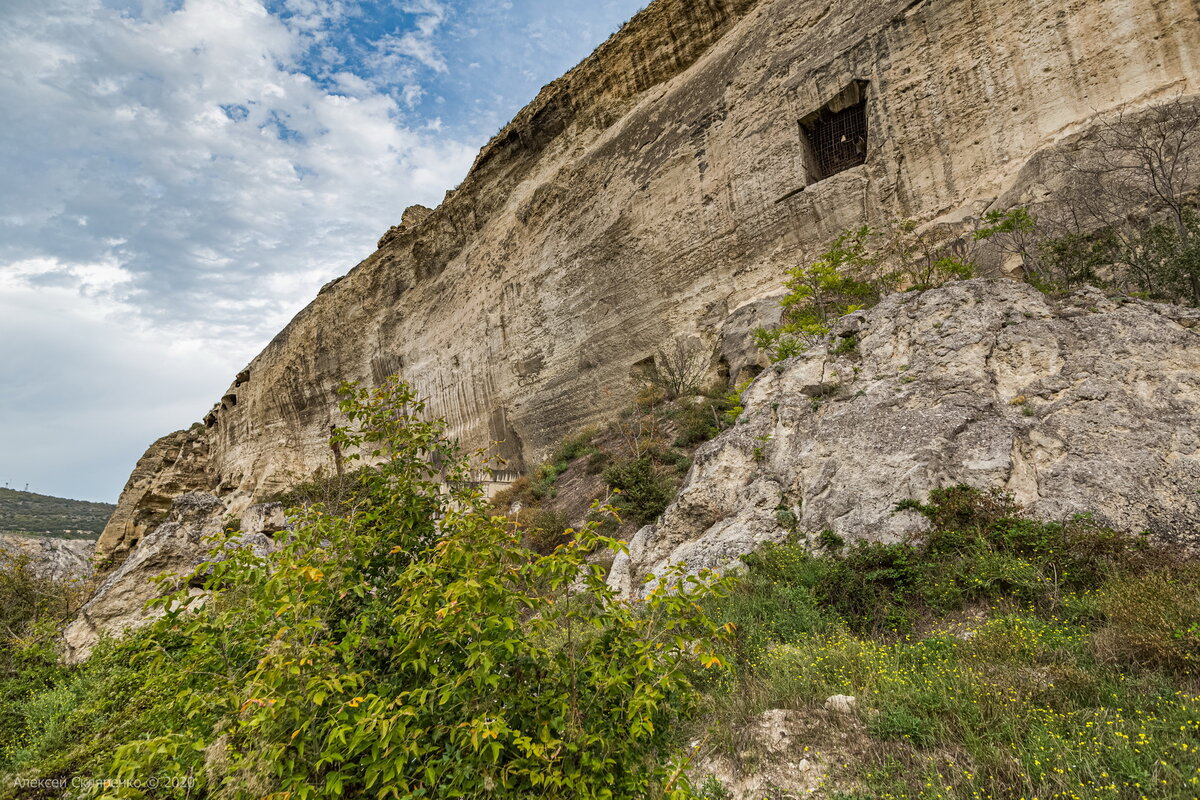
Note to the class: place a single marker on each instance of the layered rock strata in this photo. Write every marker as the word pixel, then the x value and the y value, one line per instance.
pixel 656 190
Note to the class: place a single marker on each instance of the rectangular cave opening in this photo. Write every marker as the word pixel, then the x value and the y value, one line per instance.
pixel 835 136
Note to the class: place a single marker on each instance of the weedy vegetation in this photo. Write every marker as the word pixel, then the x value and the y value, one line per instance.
pixel 994 657
pixel 407 642
pixel 406 646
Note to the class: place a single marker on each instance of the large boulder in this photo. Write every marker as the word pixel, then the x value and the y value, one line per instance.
pixel 49 558
pixel 174 548
pixel 1090 404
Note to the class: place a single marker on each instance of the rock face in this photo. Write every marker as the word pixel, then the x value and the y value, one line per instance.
pixel 664 183
pixel 175 464
pixel 176 546
pixel 785 753
pixel 657 189
pixel 1088 405
pixel 54 559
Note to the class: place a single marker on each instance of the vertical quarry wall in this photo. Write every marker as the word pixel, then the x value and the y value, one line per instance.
pixel 656 188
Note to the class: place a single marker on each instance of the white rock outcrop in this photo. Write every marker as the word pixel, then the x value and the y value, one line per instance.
pixel 53 559
pixel 175 547
pixel 1086 405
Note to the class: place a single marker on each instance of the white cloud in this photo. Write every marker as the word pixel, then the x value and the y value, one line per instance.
pixel 175 181
pixel 181 176
pixel 87 385
pixel 193 139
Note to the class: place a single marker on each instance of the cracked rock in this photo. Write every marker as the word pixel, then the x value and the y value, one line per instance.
pixel 1087 405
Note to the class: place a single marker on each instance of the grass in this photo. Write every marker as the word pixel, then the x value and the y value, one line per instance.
pixel 996 657
pixel 993 657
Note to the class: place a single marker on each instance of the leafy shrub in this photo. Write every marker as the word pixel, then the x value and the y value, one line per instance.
pixel 867 583
pixel 919 259
pixel 1148 257
pixel 830 542
pixel 698 422
pixel 843 279
pixel 543 530
pixel 773 601
pixel 1153 255
pixel 645 490
pixel 26 597
pixel 650 396
pixel 574 447
pixel 860 268
pixel 734 408
pixel 413 648
pixel 544 478
pixel 337 493
pixel 1077 259
pixel 713 789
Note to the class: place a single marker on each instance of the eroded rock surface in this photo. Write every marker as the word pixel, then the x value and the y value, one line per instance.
pixel 1086 405
pixel 174 465
pixel 174 547
pixel 54 559
pixel 786 753
pixel 655 190
pixel 658 187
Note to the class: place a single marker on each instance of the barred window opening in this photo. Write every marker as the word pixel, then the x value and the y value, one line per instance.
pixel 835 137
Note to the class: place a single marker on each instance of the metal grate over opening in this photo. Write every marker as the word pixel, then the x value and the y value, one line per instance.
pixel 835 136
pixel 839 142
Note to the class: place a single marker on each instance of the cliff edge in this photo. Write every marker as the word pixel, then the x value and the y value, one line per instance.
pixel 657 190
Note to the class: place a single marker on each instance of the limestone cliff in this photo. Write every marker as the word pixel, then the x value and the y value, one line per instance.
pixel 656 189
pixel 175 464
pixel 1088 406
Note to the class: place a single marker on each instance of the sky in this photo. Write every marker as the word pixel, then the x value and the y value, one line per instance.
pixel 179 177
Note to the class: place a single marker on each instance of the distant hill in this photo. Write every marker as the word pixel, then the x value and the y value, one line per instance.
pixel 39 514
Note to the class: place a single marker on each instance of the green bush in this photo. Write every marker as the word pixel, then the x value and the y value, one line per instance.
pixel 773 602
pixel 573 447
pixel 993 656
pixel 699 422
pixel 1153 255
pixel 860 268
pixel 845 278
pixel 645 489
pixel 413 648
pixel 336 493
pixel 27 598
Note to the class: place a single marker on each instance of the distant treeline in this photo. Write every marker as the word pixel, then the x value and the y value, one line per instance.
pixel 26 512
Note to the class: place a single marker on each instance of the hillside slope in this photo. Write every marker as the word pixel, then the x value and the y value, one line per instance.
pixel 42 515
pixel 655 193
pixel 1081 405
